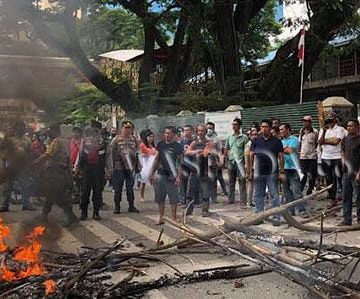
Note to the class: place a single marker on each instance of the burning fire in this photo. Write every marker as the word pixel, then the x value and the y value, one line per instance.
pixel 50 286
pixel 4 233
pixel 25 258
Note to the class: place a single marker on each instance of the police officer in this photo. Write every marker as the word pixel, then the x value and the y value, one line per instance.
pixel 91 167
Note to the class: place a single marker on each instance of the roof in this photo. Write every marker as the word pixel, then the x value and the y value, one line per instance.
pixel 336 102
pixel 123 55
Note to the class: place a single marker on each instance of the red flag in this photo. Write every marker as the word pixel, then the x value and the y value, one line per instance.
pixel 301 46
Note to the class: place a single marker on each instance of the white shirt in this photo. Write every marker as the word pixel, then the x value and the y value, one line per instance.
pixel 332 152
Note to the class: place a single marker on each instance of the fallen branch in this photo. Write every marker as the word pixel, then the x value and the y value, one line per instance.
pixel 281 241
pixel 138 288
pixel 311 228
pixel 78 276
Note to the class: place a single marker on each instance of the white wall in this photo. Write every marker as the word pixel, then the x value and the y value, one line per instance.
pixel 222 121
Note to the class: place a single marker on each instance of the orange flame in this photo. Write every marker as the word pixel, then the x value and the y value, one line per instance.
pixel 26 255
pixel 50 286
pixel 4 233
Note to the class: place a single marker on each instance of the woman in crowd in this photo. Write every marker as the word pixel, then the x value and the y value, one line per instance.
pixel 148 152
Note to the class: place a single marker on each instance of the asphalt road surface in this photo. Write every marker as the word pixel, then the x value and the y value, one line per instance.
pixel 141 231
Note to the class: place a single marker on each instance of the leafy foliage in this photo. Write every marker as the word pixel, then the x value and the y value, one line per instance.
pixel 107 29
pixel 84 105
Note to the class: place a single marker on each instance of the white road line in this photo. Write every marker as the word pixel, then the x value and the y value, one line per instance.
pixel 107 235
pixel 155 218
pixel 68 242
pixel 143 229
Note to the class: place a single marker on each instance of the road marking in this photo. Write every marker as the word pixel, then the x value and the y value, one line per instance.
pixel 143 229
pixel 107 235
pixel 68 242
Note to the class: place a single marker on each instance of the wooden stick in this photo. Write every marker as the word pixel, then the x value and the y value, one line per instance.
pixel 78 276
pixel 311 228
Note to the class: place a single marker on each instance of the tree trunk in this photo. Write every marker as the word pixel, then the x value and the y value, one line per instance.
pixel 227 68
pixel 118 92
pixel 178 59
pixel 147 63
pixel 282 77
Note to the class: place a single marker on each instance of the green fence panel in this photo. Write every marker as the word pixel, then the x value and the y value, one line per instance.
pixel 288 113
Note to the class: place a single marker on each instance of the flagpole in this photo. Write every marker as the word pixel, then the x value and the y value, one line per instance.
pixel 302 80
pixel 302 69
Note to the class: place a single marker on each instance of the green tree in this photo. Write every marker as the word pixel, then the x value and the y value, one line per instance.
pixel 105 29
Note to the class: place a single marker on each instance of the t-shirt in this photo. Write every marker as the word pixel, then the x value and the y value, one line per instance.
pixel 308 140
pixel 332 152
pixel 235 144
pixel 266 154
pixel 187 162
pixel 291 160
pixel 351 149
pixel 168 154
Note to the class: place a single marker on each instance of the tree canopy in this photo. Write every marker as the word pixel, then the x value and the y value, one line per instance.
pixel 220 38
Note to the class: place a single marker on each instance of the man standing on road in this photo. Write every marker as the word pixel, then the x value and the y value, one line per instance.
pixel 330 138
pixel 201 149
pixel 292 185
pixel 235 150
pixel 91 166
pixel 217 171
pixel 308 140
pixel 267 153
pixel 187 166
pixel 351 167
pixel 122 164
pixel 167 165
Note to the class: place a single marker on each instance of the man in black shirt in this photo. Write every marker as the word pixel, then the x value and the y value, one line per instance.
pixel 266 150
pixel 351 169
pixel 167 165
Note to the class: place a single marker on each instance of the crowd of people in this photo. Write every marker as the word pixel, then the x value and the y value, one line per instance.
pixel 184 165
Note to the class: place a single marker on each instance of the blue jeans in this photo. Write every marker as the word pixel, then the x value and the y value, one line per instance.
pixel 260 183
pixel 292 189
pixel 349 185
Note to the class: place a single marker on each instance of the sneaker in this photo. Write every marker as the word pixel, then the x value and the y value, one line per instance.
pixel 116 211
pixel 83 216
pixel 4 209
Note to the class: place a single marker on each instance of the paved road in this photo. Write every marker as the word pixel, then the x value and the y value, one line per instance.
pixel 141 232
